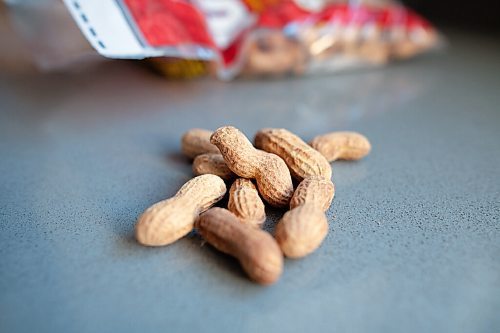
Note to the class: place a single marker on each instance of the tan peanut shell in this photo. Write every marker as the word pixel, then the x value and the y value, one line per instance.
pixel 302 229
pixel 212 163
pixel 245 202
pixel 196 141
pixel 269 170
pixel 256 250
pixel 342 145
pixel 302 160
pixel 314 191
pixel 166 221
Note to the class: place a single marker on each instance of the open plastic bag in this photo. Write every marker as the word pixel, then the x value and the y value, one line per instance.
pixel 230 38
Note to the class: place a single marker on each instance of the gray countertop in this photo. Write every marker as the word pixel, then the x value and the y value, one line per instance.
pixel 414 242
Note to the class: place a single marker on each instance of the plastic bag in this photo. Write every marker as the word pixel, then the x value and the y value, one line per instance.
pixel 230 38
pixel 338 36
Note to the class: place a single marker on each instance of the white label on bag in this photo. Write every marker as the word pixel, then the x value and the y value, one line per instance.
pixel 109 27
pixel 225 19
pixel 104 24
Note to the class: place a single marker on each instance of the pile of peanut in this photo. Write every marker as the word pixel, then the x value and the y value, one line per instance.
pixel 263 171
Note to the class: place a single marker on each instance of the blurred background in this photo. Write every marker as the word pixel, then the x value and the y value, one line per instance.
pixel 42 34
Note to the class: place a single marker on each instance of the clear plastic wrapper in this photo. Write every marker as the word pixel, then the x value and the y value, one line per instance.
pixel 340 35
pixel 48 32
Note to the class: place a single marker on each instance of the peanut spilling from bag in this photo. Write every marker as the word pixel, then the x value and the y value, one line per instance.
pixel 227 154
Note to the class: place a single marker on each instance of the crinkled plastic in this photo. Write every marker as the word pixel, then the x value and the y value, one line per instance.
pixel 49 34
pixel 294 37
pixel 339 36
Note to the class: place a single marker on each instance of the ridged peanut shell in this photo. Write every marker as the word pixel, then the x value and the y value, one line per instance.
pixel 212 163
pixel 269 170
pixel 301 231
pixel 274 181
pixel 257 252
pixel 196 141
pixel 245 202
pixel 166 221
pixel 342 145
pixel 304 227
pixel 239 153
pixel 302 160
pixel 314 190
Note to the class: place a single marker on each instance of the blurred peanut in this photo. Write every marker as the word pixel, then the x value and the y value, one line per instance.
pixel 245 202
pixel 302 160
pixel 302 229
pixel 212 163
pixel 196 141
pixel 342 145
pixel 170 219
pixel 274 53
pixel 270 171
pixel 256 250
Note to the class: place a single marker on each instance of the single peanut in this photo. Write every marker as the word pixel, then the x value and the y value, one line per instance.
pixel 170 219
pixel 342 145
pixel 269 170
pixel 256 250
pixel 302 160
pixel 245 202
pixel 302 229
pixel 212 163
pixel 196 141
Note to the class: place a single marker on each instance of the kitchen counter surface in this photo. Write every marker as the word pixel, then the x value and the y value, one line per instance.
pixel 414 242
